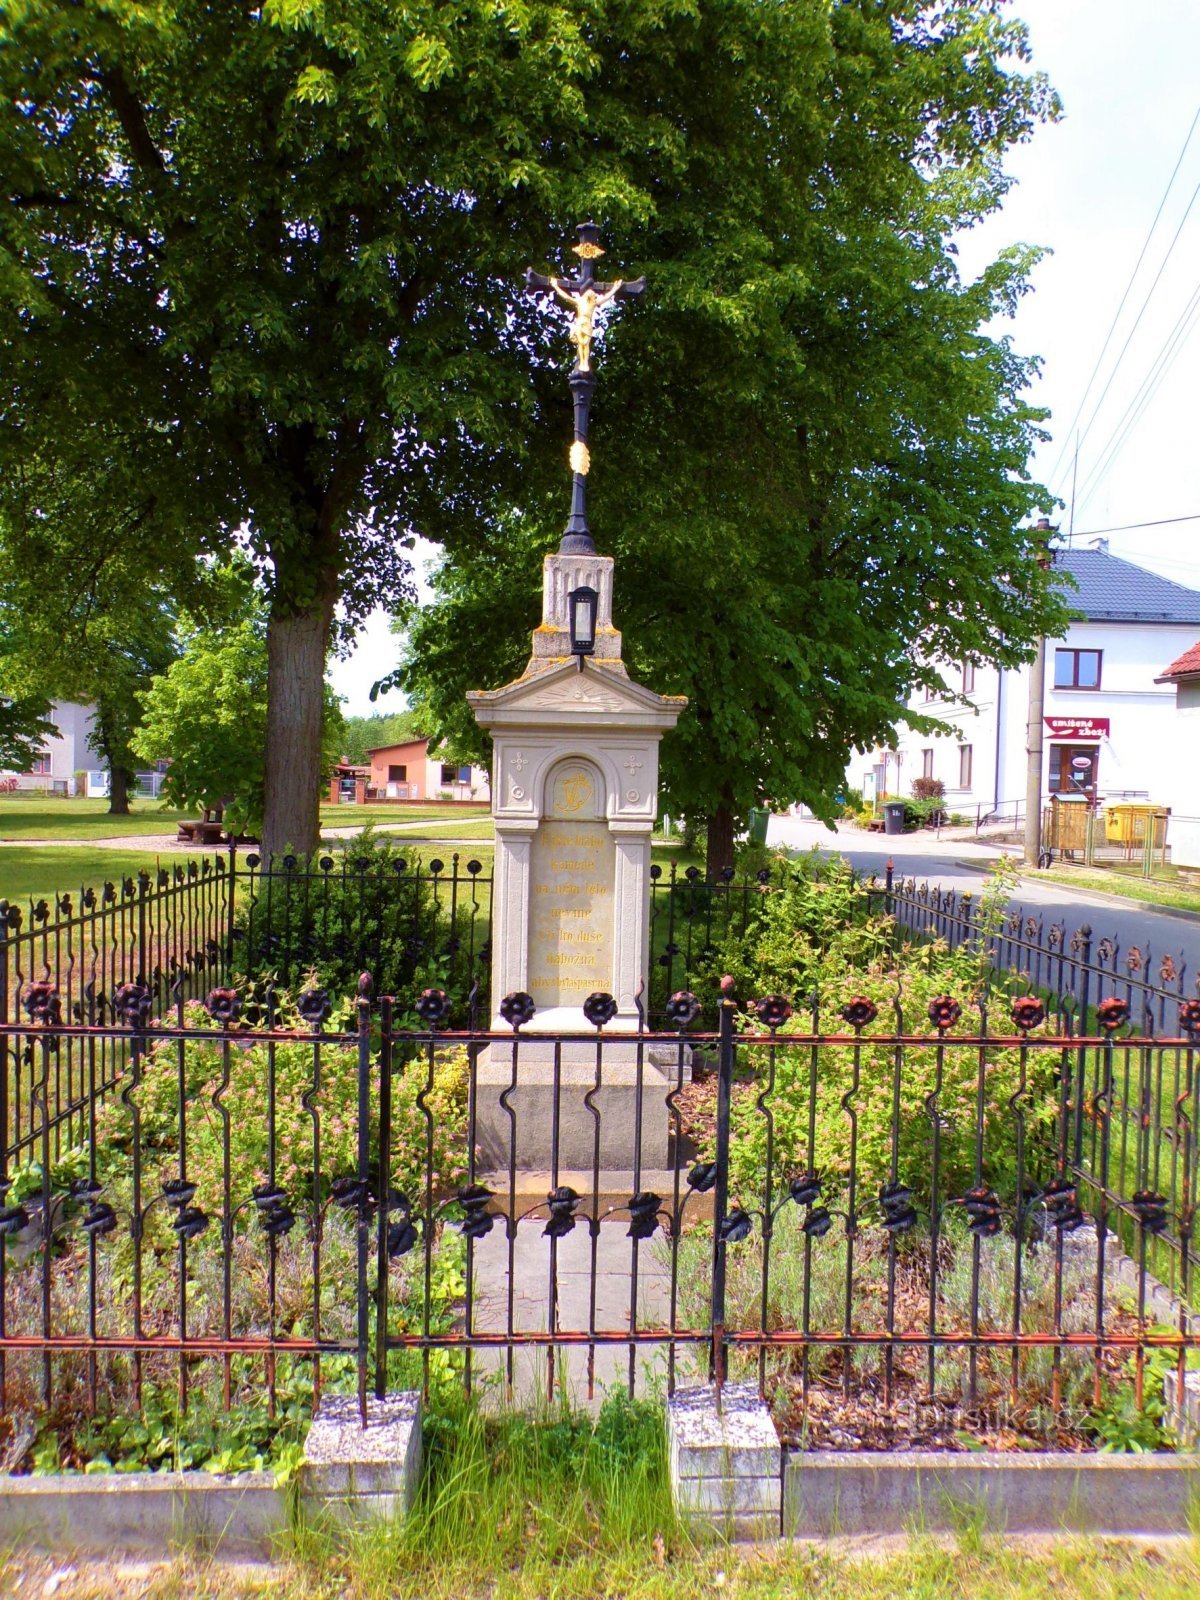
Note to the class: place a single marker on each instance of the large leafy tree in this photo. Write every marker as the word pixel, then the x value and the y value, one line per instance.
pixel 276 245
pixel 809 457
pixel 88 606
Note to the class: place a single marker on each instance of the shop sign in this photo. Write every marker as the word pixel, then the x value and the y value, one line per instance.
pixel 1078 727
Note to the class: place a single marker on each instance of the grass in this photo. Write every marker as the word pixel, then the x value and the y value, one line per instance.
pixel 951 1569
pixel 25 816
pixel 1115 881
pixel 42 871
pixel 349 816
pixel 456 828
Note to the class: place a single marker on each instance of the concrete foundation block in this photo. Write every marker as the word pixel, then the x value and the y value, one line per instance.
pixel 726 1466
pixel 368 1472
pixel 1182 1416
pixel 830 1493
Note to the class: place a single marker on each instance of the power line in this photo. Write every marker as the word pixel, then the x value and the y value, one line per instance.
pixel 1145 392
pixel 1141 313
pixel 1129 527
pixel 1124 298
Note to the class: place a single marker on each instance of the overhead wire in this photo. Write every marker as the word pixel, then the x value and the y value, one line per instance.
pixel 1174 342
pixel 1124 297
pixel 1141 313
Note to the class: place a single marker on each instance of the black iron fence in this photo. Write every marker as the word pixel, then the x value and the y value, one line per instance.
pixel 869 1203
pixel 415 921
pixel 1071 967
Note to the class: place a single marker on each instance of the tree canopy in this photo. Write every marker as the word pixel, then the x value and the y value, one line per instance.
pixel 274 249
pixel 809 456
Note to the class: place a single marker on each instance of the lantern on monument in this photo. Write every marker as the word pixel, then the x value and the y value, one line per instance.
pixel 582 604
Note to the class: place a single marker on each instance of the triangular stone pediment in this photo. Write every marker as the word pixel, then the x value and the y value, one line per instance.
pixel 566 690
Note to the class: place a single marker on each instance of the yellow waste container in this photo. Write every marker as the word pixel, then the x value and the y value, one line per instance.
pixel 1128 824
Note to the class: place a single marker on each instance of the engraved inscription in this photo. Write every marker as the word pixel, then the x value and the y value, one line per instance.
pixel 572 870
pixel 570 914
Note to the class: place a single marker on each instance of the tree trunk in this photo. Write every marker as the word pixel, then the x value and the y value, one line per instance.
pixel 118 789
pixel 297 643
pixel 114 750
pixel 720 842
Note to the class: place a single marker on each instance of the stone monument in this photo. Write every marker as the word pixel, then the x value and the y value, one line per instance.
pixel 574 801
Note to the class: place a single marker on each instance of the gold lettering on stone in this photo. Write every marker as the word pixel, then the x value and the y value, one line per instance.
pixel 572 870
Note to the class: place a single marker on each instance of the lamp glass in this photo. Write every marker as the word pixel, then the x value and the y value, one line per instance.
pixel 582 605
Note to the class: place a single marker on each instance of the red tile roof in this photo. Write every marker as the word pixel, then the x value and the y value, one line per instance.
pixel 1188 666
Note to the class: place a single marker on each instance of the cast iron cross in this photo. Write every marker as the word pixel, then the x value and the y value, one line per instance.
pixel 585 296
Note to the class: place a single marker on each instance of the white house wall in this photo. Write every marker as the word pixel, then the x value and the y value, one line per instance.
pixel 1144 752
pixel 68 748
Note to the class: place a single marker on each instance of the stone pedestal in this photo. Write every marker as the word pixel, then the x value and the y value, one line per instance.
pixel 574 799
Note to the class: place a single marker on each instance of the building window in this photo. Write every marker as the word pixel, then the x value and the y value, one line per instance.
pixel 1073 768
pixel 1077 669
pixel 927 763
pixel 397 774
pixel 968 672
pixel 452 774
pixel 964 766
pixel 41 765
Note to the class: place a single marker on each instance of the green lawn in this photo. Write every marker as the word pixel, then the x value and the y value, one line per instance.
pixel 1122 883
pixel 36 817
pixel 41 871
pixel 359 816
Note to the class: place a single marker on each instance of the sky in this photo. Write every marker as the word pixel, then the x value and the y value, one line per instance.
pixel 1120 288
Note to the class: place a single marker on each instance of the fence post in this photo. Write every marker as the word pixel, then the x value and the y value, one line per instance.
pixel 721 1193
pixel 231 892
pixel 1084 936
pixel 364 1184
pixel 384 1181
pixel 887 887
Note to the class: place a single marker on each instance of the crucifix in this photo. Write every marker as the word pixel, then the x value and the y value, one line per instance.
pixel 585 295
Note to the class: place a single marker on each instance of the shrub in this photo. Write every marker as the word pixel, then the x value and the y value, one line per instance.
pixel 227 1092
pixel 927 813
pixel 368 908
pixel 813 936
pixel 928 789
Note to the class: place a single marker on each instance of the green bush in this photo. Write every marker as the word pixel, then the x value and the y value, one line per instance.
pixel 813 936
pixel 372 911
pixel 290 1073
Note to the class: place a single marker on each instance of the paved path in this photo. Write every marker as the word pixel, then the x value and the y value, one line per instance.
pixel 536 1290
pixel 960 863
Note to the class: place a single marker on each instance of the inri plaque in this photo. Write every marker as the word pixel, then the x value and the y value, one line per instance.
pixel 572 869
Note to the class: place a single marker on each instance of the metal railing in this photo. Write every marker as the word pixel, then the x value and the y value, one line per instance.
pixel 847 1196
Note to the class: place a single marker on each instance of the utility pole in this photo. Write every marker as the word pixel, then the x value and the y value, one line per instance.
pixel 1035 724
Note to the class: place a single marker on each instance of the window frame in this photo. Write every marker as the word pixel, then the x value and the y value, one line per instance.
pixel 927 761
pixel 397 772
pixel 968 677
pixel 1074 686
pixel 966 765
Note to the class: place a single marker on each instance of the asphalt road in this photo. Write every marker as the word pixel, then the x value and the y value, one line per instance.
pixel 960 864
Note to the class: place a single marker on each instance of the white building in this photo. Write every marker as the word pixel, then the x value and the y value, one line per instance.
pixel 64 757
pixel 1183 797
pixel 1110 726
